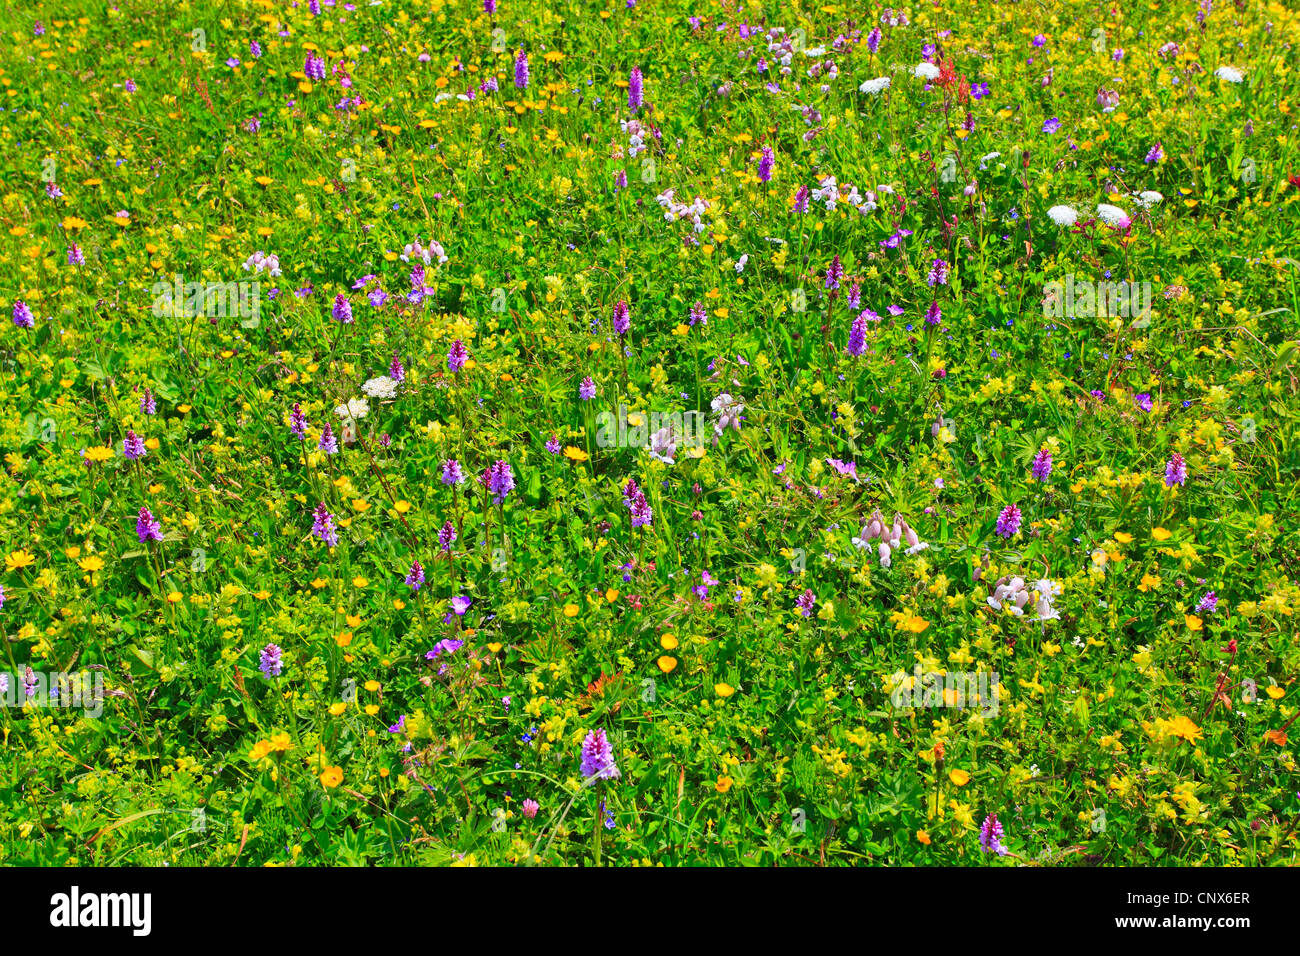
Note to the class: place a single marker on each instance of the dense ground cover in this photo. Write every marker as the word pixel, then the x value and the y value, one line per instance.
pixel 648 433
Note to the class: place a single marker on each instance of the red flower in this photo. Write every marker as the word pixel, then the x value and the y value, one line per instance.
pixel 947 74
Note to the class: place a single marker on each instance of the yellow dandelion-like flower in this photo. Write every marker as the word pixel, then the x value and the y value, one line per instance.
pixel 1182 727
pixel 907 621
pixel 19 559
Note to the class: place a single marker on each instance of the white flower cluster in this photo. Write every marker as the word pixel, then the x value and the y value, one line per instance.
pixel 781 49
pixel 663 445
pixel 1011 593
pixel 416 251
pixel 1112 215
pixel 728 411
pixel 873 87
pixel 356 408
pixel 830 192
pixel 675 211
pixel 1063 216
pixel 636 136
pixel 891 539
pixel 260 261
pixel 380 388
pixel 826 68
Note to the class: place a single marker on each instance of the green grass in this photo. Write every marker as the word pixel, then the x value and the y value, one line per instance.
pixel 746 732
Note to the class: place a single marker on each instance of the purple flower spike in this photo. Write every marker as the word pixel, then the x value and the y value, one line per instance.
pixel 1009 522
pixel 597 757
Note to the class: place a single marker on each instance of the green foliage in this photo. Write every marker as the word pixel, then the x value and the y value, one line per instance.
pixel 763 670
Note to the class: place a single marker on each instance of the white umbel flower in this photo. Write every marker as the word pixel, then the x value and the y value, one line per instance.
pixel 926 71
pixel 1148 198
pixel 354 409
pixel 381 388
pixel 1063 216
pixel 1112 215
pixel 1230 73
pixel 873 87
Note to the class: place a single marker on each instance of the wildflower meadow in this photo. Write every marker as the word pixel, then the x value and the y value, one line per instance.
pixel 649 432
